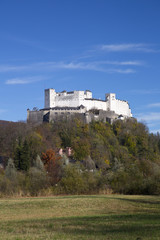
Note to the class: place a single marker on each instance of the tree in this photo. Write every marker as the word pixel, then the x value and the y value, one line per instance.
pixel 10 171
pixel 18 154
pixel 38 179
pixel 52 165
pixel 22 156
pixel 72 181
pixel 25 157
pixel 81 148
pixel 39 164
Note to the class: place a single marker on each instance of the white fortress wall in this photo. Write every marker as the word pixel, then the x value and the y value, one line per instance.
pixel 88 94
pixel 71 99
pixel 63 99
pixel 94 104
pixel 78 98
pixel 110 99
pixel 122 107
pixel 118 106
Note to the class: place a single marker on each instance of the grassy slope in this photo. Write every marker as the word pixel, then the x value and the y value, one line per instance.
pixel 81 217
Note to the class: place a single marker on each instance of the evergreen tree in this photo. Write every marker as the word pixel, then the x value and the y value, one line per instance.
pixel 18 154
pixel 25 157
pixel 22 156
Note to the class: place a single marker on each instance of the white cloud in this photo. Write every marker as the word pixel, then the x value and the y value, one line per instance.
pixel 155 131
pixel 26 80
pixel 2 111
pixel 126 71
pixel 14 81
pixel 126 47
pixel 92 66
pixel 153 105
pixel 148 117
pixel 152 119
pixel 8 68
pixel 145 91
pixel 131 63
pixel 120 63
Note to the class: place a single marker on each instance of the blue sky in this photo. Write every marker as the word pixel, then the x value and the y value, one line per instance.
pixel 100 45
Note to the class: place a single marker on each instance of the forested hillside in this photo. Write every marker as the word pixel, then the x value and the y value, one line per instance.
pixel 121 158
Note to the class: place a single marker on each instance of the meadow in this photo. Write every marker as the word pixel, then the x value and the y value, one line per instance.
pixel 96 217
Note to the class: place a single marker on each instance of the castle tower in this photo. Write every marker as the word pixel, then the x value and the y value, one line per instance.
pixel 88 94
pixel 50 95
pixel 110 99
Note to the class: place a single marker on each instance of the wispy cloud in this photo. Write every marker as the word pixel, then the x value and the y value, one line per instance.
pixel 120 63
pixel 153 105
pixel 124 71
pixel 127 47
pixel 148 117
pixel 27 80
pixel 145 91
pixel 9 68
pixel 15 81
pixel 154 127
pixel 152 119
pixel 2 111
pixel 102 66
pixel 131 63
pixel 155 131
pixel 94 66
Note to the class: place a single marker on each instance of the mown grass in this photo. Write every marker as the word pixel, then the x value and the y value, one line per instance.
pixel 116 217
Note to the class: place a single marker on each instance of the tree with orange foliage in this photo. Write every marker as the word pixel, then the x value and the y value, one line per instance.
pixel 52 165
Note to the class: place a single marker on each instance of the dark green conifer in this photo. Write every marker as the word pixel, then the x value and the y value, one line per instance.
pixel 25 157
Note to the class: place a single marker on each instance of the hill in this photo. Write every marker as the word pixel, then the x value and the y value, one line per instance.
pixel 123 157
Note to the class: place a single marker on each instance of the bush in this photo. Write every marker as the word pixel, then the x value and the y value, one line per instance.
pixel 78 181
pixel 37 181
pixel 72 182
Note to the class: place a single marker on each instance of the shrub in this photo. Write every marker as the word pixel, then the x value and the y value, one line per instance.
pixel 37 181
pixel 72 182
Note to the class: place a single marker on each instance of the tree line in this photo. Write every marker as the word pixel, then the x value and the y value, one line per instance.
pixel 120 158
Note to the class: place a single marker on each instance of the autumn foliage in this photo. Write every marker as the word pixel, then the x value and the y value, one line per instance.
pixel 122 156
pixel 52 165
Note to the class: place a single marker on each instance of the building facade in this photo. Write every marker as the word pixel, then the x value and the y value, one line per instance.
pixel 79 102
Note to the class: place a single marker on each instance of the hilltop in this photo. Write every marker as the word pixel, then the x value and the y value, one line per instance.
pixel 123 157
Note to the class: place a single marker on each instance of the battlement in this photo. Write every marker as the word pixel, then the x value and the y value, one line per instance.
pixel 80 102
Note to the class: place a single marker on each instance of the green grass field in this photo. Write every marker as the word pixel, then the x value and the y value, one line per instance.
pixel 98 217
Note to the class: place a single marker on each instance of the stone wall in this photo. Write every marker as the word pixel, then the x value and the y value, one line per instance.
pixel 36 116
pixel 79 102
pixel 77 98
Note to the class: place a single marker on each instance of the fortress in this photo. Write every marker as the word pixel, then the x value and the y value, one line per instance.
pixel 65 104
